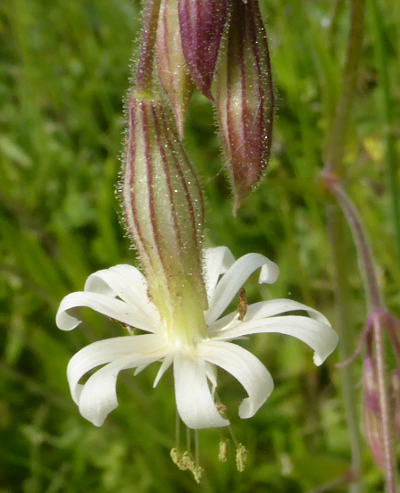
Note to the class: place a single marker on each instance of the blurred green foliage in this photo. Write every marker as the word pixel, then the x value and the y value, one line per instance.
pixel 64 70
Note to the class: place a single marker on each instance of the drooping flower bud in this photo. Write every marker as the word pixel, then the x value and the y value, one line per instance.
pixel 164 210
pixel 245 99
pixel 172 67
pixel 202 24
pixel 372 412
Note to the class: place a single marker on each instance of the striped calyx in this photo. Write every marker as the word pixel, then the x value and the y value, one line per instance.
pixel 202 24
pixel 163 208
pixel 172 67
pixel 245 100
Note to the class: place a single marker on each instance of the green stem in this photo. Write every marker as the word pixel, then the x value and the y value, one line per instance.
pixel 343 316
pixel 334 170
pixel 337 140
pixel 385 94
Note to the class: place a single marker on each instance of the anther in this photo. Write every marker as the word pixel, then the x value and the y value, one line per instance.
pixel 221 408
pixel 242 304
pixel 223 450
pixel 241 457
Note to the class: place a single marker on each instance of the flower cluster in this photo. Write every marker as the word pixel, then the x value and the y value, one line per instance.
pixel 180 299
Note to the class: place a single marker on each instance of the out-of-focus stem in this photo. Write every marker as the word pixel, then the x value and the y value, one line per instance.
pixel 334 164
pixel 334 171
pixel 384 91
pixel 343 316
pixel 337 139
pixel 144 75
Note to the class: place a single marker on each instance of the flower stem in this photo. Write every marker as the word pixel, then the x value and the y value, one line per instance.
pixel 363 248
pixel 385 409
pixel 343 315
pixel 333 172
pixel 334 153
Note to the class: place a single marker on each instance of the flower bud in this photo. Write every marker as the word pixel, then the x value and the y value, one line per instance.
pixel 245 98
pixel 372 412
pixel 172 67
pixel 163 208
pixel 202 24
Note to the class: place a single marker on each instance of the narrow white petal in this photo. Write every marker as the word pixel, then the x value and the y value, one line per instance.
pixel 101 352
pixel 166 363
pixel 126 282
pixel 193 397
pixel 216 262
pixel 318 335
pixel 98 396
pixel 111 307
pixel 265 309
pixel 234 279
pixel 246 368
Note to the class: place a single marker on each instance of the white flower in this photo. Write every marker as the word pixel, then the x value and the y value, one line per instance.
pixel 121 294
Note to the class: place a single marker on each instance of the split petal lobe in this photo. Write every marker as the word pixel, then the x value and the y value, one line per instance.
pixel 126 282
pixel 246 368
pixel 193 397
pixel 202 24
pixel 113 349
pixel 319 336
pixel 110 307
pixel 265 309
pixel 235 277
pixel 216 262
pixel 166 363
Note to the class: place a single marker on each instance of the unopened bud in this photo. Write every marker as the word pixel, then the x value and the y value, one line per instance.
pixel 164 210
pixel 241 457
pixel 172 67
pixel 372 412
pixel 202 24
pixel 245 100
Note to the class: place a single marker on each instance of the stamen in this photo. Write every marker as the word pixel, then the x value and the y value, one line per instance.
pixel 223 450
pixel 241 457
pixel 242 304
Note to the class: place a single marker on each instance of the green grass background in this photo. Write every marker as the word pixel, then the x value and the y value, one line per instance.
pixel 64 69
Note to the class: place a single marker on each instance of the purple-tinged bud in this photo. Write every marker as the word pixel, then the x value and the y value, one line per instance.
pixel 202 24
pixel 396 398
pixel 172 67
pixel 372 412
pixel 245 100
pixel 163 209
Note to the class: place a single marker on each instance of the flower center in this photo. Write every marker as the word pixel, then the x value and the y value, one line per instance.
pixel 183 317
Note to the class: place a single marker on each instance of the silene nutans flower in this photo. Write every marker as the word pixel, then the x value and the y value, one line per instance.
pixel 179 304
